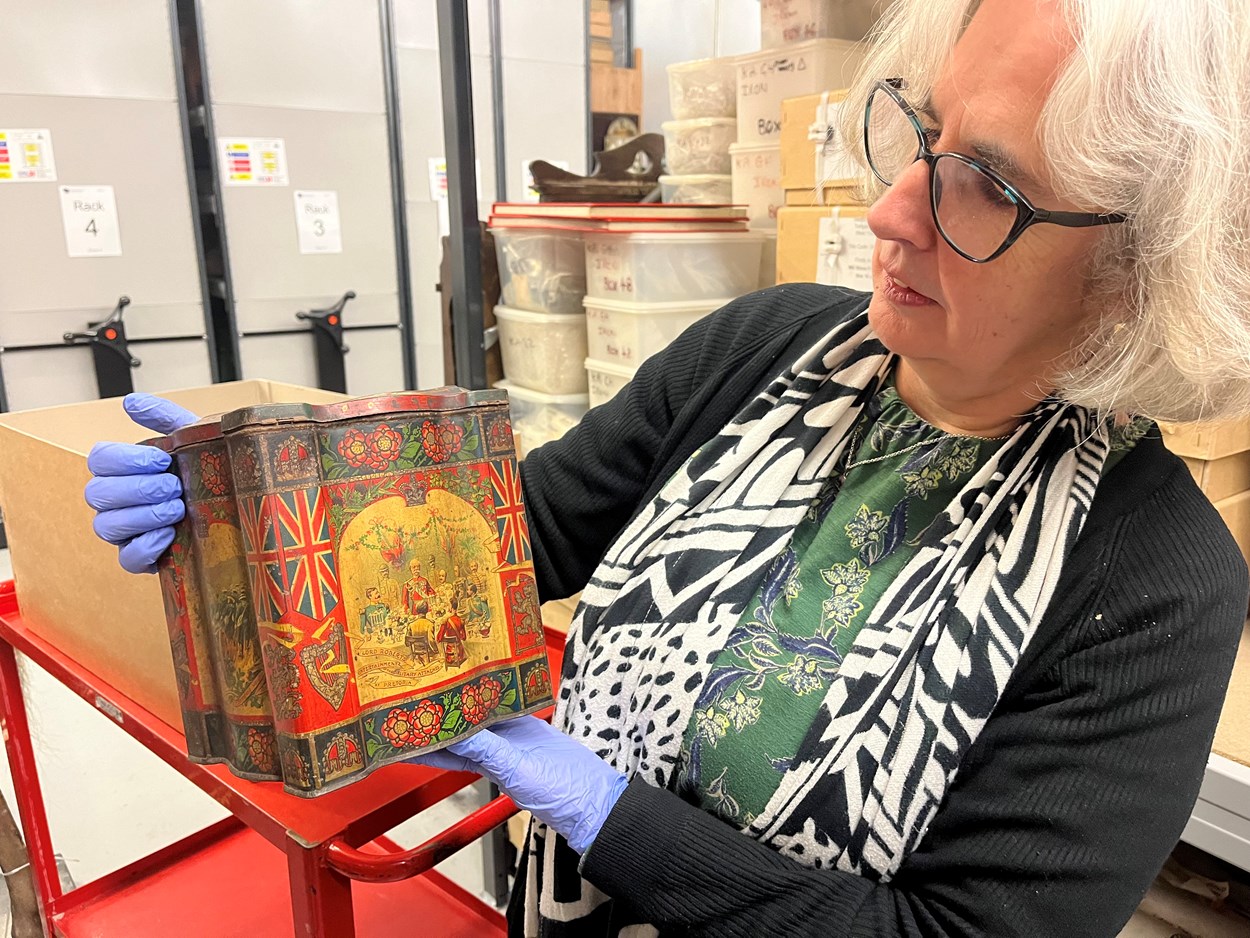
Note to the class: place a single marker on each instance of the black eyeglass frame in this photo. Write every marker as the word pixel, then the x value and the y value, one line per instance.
pixel 1027 214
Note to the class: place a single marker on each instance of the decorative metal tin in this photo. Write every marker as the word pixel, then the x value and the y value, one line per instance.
pixel 353 584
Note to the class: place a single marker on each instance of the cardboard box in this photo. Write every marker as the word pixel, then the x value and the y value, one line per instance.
pixel 803 258
pixel 828 195
pixel 810 145
pixel 1235 511
pixel 69 586
pixel 1232 736
pixel 1221 478
pixel 1207 440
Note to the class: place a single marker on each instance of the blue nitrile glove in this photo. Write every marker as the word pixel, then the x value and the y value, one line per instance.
pixel 563 783
pixel 136 500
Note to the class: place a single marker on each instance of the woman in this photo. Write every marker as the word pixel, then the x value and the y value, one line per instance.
pixel 897 617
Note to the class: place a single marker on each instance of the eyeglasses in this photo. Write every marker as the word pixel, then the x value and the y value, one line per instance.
pixel 977 212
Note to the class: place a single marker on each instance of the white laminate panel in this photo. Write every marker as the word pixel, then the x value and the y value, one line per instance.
pixel 544 31
pixel 325 150
pixel 133 146
pixel 142 320
pixel 416 25
pixel 320 54
pixel 172 365
pixel 367 309
pixel 279 358
pixel 67 47
pixel 545 115
pixel 47 378
pixel 375 364
pixel 424 258
pixel 421 119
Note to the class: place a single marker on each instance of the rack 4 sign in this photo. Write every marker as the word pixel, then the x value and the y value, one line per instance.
pixel 89 214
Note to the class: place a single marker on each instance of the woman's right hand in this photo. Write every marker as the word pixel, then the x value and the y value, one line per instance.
pixel 137 501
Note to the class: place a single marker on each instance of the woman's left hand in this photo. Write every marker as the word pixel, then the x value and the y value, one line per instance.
pixel 563 783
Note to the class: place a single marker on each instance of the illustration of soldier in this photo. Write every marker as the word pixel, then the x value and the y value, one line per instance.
pixel 387 587
pixel 452 634
pixel 417 591
pixel 477 611
pixel 373 617
pixel 420 637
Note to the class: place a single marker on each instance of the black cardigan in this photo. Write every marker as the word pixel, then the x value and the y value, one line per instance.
pixel 1080 783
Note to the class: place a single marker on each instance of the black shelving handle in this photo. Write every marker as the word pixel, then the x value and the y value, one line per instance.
pixel 327 329
pixel 110 351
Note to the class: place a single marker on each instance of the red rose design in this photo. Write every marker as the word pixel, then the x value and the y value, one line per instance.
pixel 490 690
pixel 260 749
pixel 384 444
pixel 211 472
pixel 441 440
pixel 354 447
pixel 400 729
pixel 427 721
pixel 471 704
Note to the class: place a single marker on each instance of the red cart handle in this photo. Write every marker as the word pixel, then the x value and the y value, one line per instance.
pixel 392 867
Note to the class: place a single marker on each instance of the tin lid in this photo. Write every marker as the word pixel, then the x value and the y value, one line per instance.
pixel 203 430
pixel 379 405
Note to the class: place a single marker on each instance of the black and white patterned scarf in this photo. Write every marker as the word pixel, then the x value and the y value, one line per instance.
pixel 925 671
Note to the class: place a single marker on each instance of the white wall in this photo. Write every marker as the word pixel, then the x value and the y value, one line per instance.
pixel 669 31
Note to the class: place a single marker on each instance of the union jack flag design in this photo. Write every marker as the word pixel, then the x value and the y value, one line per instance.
pixel 514 535
pixel 307 551
pixel 264 568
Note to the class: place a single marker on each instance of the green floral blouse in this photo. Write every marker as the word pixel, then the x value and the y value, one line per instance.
pixel 767 685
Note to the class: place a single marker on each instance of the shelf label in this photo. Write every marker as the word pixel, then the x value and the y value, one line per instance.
pixel 317 221
pixel 89 214
pixel 26 156
pixel 252 161
pixel 844 252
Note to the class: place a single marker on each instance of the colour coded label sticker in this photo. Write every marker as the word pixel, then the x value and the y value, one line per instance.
pixel 844 252
pixel 253 161
pixel 26 156
pixel 317 221
pixel 89 214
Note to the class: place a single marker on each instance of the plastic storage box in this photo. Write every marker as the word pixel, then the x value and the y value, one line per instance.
pixel 543 351
pixel 768 260
pixel 539 418
pixel 606 379
pixel 540 269
pixel 757 182
pixel 702 88
pixel 703 189
pixel 767 78
pixel 672 267
pixel 628 333
pixel 785 21
pixel 700 145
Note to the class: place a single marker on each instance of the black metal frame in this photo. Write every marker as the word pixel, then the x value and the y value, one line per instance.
pixel 395 150
pixel 466 239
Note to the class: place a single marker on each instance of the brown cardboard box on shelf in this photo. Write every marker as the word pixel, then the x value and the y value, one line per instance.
pixel 1207 440
pixel 798 237
pixel 831 195
pixel 70 588
pixel 1235 510
pixel 1223 477
pixel 810 144
pixel 1232 736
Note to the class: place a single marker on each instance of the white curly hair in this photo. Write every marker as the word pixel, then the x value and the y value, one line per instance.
pixel 1147 117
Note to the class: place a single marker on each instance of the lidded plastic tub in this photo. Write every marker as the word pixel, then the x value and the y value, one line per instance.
pixel 702 88
pixel 757 182
pixel 539 418
pixel 541 269
pixel 768 77
pixel 702 189
pixel 543 351
pixel 628 334
pixel 672 267
pixel 606 379
pixel 699 146
pixel 768 260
